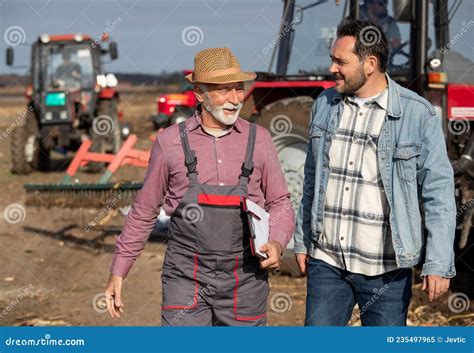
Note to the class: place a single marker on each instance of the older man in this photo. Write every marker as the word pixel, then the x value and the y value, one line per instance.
pixel 377 149
pixel 200 170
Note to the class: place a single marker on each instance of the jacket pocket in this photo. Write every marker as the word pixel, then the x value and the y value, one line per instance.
pixel 405 160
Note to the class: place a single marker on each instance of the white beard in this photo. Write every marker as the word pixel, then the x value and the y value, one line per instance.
pixel 218 111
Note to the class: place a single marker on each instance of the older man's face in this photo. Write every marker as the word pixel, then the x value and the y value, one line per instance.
pixel 224 101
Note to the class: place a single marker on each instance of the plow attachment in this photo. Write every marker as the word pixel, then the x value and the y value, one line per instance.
pixel 69 193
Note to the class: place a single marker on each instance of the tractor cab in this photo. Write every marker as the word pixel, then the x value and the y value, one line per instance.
pixel 67 92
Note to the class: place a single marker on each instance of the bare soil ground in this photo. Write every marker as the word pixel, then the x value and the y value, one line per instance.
pixel 53 270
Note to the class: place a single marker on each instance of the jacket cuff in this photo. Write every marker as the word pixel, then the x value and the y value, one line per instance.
pixel 120 266
pixel 431 268
pixel 299 248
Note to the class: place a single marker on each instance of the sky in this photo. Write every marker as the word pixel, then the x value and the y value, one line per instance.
pixel 152 36
pixel 164 35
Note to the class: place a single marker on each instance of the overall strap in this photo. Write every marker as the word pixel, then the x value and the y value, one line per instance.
pixel 190 159
pixel 247 166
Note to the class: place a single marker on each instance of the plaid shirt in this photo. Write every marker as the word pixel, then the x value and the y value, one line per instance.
pixel 356 230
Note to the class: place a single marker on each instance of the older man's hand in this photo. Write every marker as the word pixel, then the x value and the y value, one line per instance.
pixel 273 250
pixel 113 296
pixel 436 286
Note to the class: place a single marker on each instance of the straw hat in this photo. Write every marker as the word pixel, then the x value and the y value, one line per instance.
pixel 218 65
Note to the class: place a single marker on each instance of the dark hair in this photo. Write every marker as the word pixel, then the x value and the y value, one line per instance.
pixel 370 40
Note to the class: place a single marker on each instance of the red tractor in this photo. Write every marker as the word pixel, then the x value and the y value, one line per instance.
pixel 424 60
pixel 175 107
pixel 69 100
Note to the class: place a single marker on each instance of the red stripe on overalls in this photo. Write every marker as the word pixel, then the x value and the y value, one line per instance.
pixel 196 291
pixel 237 317
pixel 219 200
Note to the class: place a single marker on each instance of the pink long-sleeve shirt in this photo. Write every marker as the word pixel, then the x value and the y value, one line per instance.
pixel 219 163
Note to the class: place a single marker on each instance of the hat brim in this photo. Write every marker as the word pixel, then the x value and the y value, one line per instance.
pixel 237 77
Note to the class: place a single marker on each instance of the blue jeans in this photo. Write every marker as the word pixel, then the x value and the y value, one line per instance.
pixel 332 294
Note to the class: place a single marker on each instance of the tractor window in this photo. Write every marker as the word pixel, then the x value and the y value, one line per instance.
pixel 461 25
pixel 68 67
pixel 397 33
pixel 457 54
pixel 315 30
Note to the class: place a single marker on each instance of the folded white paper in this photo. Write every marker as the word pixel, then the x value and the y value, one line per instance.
pixel 259 226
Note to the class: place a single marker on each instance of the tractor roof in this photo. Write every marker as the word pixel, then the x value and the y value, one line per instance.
pixel 77 37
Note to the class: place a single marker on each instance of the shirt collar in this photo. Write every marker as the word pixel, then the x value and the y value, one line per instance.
pixel 381 100
pixel 393 104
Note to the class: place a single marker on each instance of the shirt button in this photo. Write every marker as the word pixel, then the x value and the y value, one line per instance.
pixel 360 114
pixel 351 163
pixel 221 184
pixel 346 188
pixel 219 161
pixel 342 238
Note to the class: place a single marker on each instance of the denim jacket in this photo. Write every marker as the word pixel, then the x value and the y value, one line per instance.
pixel 416 174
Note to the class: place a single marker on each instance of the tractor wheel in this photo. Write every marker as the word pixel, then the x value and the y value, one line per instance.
pixel 105 132
pixel 288 121
pixel 180 114
pixel 27 152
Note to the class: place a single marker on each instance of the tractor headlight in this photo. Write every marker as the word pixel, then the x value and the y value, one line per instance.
pixel 63 114
pixel 435 63
pixel 111 80
pixel 44 38
pixel 48 116
pixel 125 131
pixel 101 80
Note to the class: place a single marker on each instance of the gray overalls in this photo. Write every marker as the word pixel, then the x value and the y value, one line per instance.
pixel 209 275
